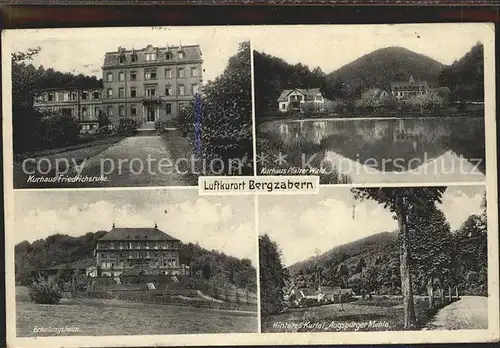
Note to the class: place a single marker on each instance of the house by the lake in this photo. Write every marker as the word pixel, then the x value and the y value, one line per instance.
pixel 296 99
pixel 404 90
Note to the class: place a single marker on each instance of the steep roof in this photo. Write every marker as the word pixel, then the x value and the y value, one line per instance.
pixel 137 233
pixel 308 93
pixel 191 53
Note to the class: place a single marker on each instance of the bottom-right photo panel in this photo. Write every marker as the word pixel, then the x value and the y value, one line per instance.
pixel 374 259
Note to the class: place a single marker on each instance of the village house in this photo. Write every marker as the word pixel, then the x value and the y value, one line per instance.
pixel 296 99
pixel 146 85
pixel 138 251
pixel 404 90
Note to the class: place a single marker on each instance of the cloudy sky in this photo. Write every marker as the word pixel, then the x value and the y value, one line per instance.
pixel 82 50
pixel 306 225
pixel 331 47
pixel 222 223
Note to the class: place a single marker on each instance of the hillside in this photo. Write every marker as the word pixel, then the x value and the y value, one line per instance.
pixel 380 67
pixel 60 249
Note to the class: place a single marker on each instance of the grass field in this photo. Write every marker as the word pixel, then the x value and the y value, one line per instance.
pixel 371 315
pixel 113 317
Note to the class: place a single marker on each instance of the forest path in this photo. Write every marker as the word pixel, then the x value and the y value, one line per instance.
pixel 470 312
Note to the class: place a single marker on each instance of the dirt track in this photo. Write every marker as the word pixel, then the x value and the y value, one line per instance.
pixel 470 312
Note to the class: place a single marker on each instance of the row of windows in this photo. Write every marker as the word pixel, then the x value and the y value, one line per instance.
pixel 133 112
pixel 139 254
pixel 149 57
pixel 152 74
pixel 69 96
pixel 151 91
pixel 165 263
pixel 401 94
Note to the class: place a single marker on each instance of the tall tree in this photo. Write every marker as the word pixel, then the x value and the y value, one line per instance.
pixel 403 203
pixel 273 276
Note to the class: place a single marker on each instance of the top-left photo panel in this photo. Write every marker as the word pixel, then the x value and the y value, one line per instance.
pixel 123 107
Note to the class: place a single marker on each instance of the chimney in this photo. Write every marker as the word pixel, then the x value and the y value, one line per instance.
pixel 113 225
pixel 119 49
pixel 156 226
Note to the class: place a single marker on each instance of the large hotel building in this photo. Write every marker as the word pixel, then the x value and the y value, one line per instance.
pixel 146 84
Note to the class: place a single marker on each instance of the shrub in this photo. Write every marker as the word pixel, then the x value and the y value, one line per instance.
pixel 160 126
pixel 126 126
pixel 45 293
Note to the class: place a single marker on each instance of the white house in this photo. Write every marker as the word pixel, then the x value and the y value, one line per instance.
pixel 295 99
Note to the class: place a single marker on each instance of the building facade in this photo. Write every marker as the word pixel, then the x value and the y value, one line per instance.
pixel 295 99
pixel 404 90
pixel 150 84
pixel 145 85
pixel 83 105
pixel 125 249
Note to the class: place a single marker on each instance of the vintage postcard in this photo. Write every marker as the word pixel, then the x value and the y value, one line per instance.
pixel 250 185
pixel 129 107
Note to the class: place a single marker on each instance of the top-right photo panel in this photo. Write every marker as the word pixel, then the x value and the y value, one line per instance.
pixel 370 104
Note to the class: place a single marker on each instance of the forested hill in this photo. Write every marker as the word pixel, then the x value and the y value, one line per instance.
pixel 378 245
pixel 380 67
pixel 61 249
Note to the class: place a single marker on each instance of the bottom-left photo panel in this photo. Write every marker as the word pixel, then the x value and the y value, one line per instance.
pixel 133 262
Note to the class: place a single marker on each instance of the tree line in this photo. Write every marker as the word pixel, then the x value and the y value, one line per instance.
pixel 422 257
pixel 59 249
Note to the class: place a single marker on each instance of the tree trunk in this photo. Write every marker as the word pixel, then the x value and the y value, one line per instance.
pixel 456 292
pixel 404 258
pixel 430 292
pixel 441 292
pixel 449 294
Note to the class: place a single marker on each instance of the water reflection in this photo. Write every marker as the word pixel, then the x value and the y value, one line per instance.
pixel 395 146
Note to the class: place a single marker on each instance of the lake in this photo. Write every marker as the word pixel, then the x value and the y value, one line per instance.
pixel 446 149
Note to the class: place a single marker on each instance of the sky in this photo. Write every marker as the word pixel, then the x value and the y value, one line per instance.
pixel 82 50
pixel 223 223
pixel 308 225
pixel 331 47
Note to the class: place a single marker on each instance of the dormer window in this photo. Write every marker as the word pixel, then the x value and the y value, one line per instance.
pixel 181 55
pixel 150 57
pixel 122 59
pixel 168 55
pixel 133 58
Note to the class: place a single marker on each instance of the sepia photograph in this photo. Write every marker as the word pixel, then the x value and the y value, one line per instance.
pixel 102 263
pixel 108 107
pixel 375 259
pixel 401 105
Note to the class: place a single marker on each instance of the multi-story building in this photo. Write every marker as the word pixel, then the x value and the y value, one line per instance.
pixel 84 105
pixel 150 84
pixel 404 90
pixel 125 249
pixel 146 85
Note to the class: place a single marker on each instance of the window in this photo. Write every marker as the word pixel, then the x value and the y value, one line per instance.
pixel 150 91
pixel 133 75
pixel 104 255
pixel 121 76
pixel 168 55
pixel 133 58
pixel 50 97
pixel 318 97
pixel 66 112
pixel 194 72
pixel 283 106
pixel 121 92
pixel 97 95
pixel 84 112
pixel 133 110
pixel 85 95
pixel 168 73
pixel 121 110
pixel 181 90
pixel 150 75
pixel 168 90
pixel 96 111
pixel 195 89
pixel 133 92
pixel 109 77
pixel 181 55
pixel 110 111
pixel 122 59
pixel 110 93
pixel 150 57
pixel 72 96
pixel 181 72
pixel 65 96
pixel 168 108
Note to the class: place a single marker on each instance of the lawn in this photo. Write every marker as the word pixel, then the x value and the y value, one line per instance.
pixel 356 316
pixel 114 317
